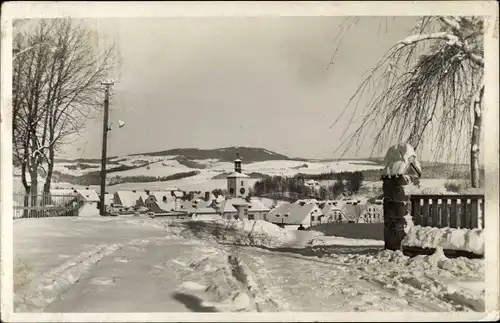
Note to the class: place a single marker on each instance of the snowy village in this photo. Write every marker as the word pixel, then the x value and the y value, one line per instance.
pixel 109 202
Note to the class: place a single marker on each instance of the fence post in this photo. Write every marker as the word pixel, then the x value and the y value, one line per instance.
pixel 26 206
pixel 396 204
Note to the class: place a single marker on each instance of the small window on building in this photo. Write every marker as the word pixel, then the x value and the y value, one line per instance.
pixel 164 199
pixel 231 190
pixel 242 183
pixel 312 218
pixel 242 190
pixel 251 217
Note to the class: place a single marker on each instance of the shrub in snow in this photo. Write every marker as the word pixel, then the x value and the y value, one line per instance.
pixel 453 186
pixel 446 238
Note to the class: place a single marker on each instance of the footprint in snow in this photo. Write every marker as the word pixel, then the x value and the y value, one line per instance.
pixel 102 281
pixel 121 259
pixel 193 286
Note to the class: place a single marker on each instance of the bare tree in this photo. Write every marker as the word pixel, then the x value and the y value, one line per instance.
pixel 433 77
pixel 56 88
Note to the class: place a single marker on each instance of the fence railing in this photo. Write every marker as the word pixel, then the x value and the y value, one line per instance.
pixel 45 205
pixel 453 211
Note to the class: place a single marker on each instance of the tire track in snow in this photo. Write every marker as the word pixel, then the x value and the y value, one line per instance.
pixel 44 290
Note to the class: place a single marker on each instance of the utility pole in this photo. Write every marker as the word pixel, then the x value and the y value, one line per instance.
pixel 105 128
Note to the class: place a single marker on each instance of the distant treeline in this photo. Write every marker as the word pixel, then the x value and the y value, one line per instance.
pixel 447 171
pixel 296 188
pixel 189 163
pixel 81 166
pixel 94 177
pixel 144 179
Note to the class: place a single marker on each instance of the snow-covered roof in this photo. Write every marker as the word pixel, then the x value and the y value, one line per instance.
pixel 178 193
pixel 237 201
pixel 160 194
pixel 169 206
pixel 62 191
pixel 226 206
pixel 130 198
pixel 292 213
pixel 329 209
pixel 237 175
pixel 185 205
pixel 351 211
pixel 206 210
pixel 257 205
pixel 89 195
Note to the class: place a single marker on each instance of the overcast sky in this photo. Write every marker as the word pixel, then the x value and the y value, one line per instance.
pixel 217 82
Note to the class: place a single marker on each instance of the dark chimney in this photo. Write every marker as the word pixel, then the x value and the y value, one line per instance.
pixel 147 192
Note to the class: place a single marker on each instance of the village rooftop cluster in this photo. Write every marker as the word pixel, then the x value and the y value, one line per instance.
pixel 175 203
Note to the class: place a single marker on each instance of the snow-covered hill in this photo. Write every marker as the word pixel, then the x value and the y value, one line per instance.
pixel 144 165
pixel 192 167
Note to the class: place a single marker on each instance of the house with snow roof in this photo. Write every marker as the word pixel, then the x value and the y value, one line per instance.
pixel 371 213
pixel 293 215
pixel 158 206
pixel 227 210
pixel 129 199
pixel 257 210
pixel 90 200
pixel 108 198
pixel 163 196
pixel 333 213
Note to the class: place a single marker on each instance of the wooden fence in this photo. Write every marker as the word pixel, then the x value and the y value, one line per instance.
pixel 38 206
pixel 453 211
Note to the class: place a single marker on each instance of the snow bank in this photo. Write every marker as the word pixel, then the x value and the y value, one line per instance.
pixel 240 232
pixel 446 238
pixel 458 282
pixel 387 259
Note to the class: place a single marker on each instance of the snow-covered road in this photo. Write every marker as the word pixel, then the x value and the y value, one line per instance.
pixel 141 267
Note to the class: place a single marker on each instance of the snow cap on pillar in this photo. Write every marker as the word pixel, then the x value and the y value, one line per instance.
pixel 398 160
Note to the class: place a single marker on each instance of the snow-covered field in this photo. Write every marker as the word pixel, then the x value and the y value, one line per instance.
pixel 99 264
pixel 293 167
pixel 165 165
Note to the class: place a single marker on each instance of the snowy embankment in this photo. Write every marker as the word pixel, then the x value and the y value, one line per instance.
pixel 257 234
pixel 457 283
pixel 446 238
pixel 240 232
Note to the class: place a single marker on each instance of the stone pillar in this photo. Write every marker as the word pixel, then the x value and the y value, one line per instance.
pixel 396 206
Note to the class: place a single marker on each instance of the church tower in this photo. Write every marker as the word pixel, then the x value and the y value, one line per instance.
pixel 237 182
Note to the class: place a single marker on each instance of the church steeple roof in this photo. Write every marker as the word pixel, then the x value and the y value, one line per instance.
pixel 237 163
